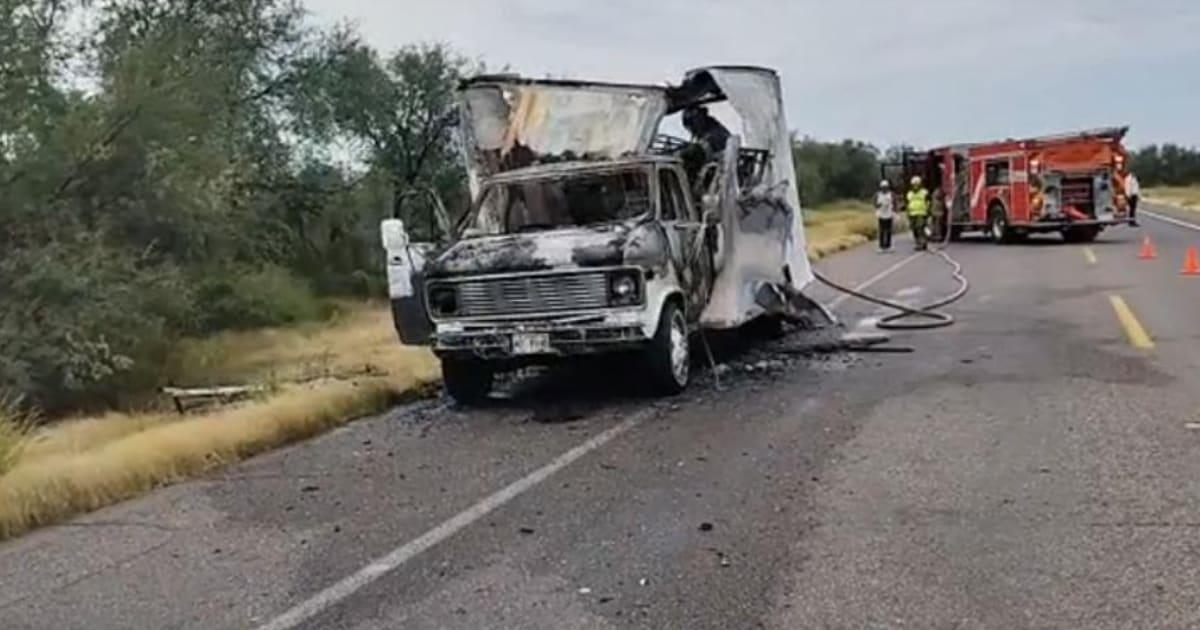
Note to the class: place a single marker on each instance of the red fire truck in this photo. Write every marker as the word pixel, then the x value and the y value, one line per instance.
pixel 1067 183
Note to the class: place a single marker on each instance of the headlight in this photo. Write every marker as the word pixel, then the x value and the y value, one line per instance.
pixel 624 288
pixel 443 301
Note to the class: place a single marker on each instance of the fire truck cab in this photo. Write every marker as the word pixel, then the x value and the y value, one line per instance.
pixel 1069 183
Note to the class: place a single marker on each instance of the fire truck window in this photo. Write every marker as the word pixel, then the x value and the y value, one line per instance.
pixel 997 173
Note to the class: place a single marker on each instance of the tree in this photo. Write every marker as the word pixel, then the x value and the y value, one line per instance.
pixel 1168 164
pixel 828 171
pixel 399 111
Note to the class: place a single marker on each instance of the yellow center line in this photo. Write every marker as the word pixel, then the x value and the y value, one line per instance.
pixel 1138 337
pixel 1089 255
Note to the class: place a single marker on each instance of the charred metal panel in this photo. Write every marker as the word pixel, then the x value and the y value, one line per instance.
pixel 579 247
pixel 762 229
pixel 513 123
pixel 757 97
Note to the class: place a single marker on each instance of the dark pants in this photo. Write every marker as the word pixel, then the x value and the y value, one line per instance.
pixel 917 222
pixel 936 224
pixel 1133 201
pixel 885 233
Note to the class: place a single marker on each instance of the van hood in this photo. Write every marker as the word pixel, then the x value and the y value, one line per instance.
pixel 536 251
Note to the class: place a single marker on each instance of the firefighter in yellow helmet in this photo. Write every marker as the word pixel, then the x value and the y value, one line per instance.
pixel 917 202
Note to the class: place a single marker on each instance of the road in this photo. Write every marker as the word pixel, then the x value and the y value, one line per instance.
pixel 1030 467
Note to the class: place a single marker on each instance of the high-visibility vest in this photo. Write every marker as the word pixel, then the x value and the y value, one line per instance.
pixel 918 202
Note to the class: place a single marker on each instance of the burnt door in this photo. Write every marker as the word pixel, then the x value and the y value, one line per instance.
pixel 685 233
pixel 407 260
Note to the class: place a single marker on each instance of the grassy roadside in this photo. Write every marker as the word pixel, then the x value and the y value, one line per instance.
pixel 1186 197
pixel 838 226
pixel 322 375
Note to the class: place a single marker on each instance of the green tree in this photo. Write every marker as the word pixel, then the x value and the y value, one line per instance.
pixel 1168 164
pixel 828 171
pixel 399 111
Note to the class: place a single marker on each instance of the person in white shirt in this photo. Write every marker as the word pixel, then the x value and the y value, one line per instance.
pixel 1133 190
pixel 885 211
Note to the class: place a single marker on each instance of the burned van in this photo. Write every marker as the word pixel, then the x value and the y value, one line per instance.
pixel 593 231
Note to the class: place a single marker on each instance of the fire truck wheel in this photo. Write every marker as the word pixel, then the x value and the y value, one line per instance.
pixel 998 228
pixel 1080 234
pixel 468 382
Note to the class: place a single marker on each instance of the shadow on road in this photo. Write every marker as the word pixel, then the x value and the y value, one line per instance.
pixel 572 390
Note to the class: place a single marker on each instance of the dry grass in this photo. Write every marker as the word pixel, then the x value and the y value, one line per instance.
pixel 56 483
pixel 1187 197
pixel 838 226
pixel 349 367
pixel 360 340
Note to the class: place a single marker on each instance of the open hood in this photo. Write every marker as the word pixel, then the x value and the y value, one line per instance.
pixel 510 122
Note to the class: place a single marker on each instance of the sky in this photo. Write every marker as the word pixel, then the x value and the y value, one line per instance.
pixel 921 72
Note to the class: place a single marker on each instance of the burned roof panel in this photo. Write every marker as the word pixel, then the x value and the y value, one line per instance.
pixel 510 122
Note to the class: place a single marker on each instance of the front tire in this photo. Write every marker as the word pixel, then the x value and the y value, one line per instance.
pixel 668 357
pixel 998 229
pixel 467 382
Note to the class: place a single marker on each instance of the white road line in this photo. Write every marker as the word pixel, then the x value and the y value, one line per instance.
pixel 876 278
pixel 1171 220
pixel 380 567
pixel 909 292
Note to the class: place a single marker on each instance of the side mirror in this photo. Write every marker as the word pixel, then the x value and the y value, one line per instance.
pixel 395 237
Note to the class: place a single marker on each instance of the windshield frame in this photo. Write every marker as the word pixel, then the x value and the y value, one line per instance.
pixel 646 170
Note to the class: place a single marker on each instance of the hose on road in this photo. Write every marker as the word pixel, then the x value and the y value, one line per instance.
pixel 927 318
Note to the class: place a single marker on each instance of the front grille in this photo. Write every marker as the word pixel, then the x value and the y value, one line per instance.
pixel 524 295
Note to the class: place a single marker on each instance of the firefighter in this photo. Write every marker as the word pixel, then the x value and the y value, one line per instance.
pixel 938 218
pixel 918 211
pixel 1133 190
pixel 885 211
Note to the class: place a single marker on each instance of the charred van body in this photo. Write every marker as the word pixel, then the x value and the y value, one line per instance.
pixel 591 231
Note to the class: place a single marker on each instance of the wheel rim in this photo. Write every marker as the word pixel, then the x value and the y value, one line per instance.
pixel 679 349
pixel 997 228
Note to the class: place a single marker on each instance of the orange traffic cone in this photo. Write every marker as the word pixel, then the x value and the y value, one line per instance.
pixel 1148 251
pixel 1191 265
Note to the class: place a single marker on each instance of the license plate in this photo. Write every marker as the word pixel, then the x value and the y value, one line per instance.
pixel 531 343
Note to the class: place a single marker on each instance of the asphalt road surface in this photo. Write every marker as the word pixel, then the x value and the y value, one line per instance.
pixel 1035 466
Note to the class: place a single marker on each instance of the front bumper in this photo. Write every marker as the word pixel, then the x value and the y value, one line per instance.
pixel 504 340
pixel 1052 225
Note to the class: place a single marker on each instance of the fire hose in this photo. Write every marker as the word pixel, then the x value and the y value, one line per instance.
pixel 926 316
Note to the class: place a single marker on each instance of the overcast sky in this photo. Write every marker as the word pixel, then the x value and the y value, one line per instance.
pixel 923 72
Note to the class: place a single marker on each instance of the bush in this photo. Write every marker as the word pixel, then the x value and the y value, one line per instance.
pixel 81 321
pixel 240 298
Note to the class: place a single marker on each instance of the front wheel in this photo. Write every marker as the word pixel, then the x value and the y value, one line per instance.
pixel 668 357
pixel 998 228
pixel 468 382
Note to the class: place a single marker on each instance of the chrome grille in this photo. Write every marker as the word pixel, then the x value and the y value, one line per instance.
pixel 523 295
